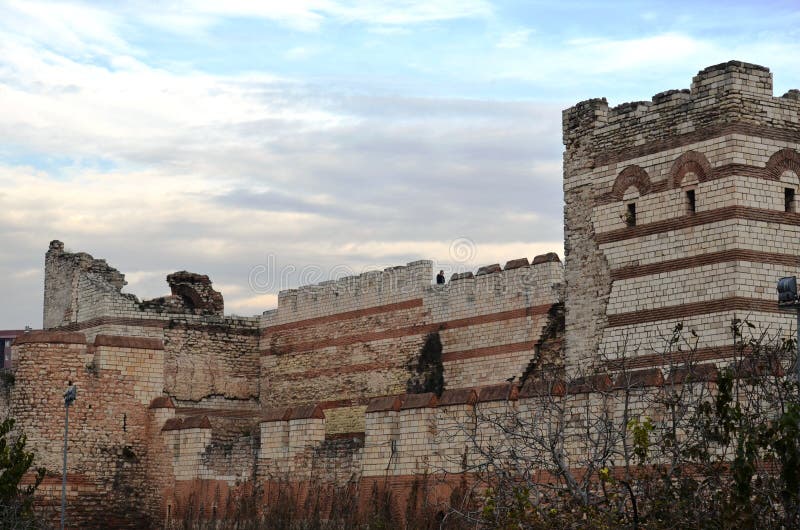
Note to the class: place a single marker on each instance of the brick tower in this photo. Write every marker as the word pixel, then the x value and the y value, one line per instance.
pixel 679 209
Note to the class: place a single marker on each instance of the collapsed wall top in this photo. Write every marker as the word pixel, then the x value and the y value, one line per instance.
pixel 79 288
pixel 196 292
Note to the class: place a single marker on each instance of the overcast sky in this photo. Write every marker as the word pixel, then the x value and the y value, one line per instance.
pixel 271 143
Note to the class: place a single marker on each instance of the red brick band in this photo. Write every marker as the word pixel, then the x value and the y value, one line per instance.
pixel 117 321
pixel 698 219
pixel 719 172
pixel 53 337
pixel 156 323
pixel 346 315
pixel 680 312
pixel 54 478
pixel 410 330
pixel 338 370
pixel 374 367
pixel 671 358
pixel 488 351
pixel 217 412
pixel 724 256
pixel 615 156
pixel 213 327
pixel 128 342
pixel 181 424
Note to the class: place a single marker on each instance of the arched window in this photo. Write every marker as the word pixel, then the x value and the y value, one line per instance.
pixel 632 183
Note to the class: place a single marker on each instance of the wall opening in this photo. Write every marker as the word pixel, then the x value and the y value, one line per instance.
pixel 630 214
pixel 691 203
pixel 788 200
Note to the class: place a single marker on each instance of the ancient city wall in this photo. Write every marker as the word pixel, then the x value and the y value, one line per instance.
pixel 206 353
pixel 207 404
pixel 677 210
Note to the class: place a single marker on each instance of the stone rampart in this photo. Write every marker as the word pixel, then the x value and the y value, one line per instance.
pixel 341 343
pixel 678 210
pixel 110 425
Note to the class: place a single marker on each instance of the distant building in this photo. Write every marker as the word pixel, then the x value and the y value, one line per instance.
pixel 7 336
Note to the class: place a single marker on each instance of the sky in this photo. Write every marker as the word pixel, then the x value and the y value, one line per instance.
pixel 275 143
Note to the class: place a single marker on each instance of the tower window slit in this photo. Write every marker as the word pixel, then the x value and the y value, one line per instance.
pixel 630 214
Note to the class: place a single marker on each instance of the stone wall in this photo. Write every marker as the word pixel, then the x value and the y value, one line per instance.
pixel 195 403
pixel 110 425
pixel 385 376
pixel 342 343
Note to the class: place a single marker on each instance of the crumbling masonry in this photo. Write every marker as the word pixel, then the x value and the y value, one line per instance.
pixel 678 209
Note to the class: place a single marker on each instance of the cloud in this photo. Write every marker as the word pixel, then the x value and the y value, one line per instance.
pixel 514 39
pixel 161 169
pixel 198 16
pixel 210 172
pixel 73 28
pixel 300 53
pixel 389 12
pixel 252 305
pixel 620 66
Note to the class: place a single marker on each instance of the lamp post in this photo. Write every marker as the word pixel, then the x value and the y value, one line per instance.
pixel 789 301
pixel 69 397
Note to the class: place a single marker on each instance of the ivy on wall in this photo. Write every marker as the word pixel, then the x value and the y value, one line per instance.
pixel 427 370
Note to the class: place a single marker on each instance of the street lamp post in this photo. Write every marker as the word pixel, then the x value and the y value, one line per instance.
pixel 789 301
pixel 69 397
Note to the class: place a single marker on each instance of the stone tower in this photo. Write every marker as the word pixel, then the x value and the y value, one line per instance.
pixel 679 209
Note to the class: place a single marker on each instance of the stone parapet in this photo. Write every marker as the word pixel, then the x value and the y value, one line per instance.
pixel 720 95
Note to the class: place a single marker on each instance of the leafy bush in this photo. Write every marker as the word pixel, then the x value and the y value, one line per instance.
pixel 16 501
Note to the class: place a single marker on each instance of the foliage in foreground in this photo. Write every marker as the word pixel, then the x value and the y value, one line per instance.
pixel 705 448
pixel 16 501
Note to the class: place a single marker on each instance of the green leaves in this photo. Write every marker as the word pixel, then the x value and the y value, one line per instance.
pixel 15 501
pixel 641 430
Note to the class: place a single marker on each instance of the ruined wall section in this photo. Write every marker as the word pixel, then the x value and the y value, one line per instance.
pixel 206 353
pixel 212 357
pixel 76 286
pixel 701 261
pixel 586 273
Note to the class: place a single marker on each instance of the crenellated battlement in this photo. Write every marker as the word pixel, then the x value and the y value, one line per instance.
pixel 540 280
pixel 733 76
pixel 372 288
pixel 414 280
pixel 720 97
